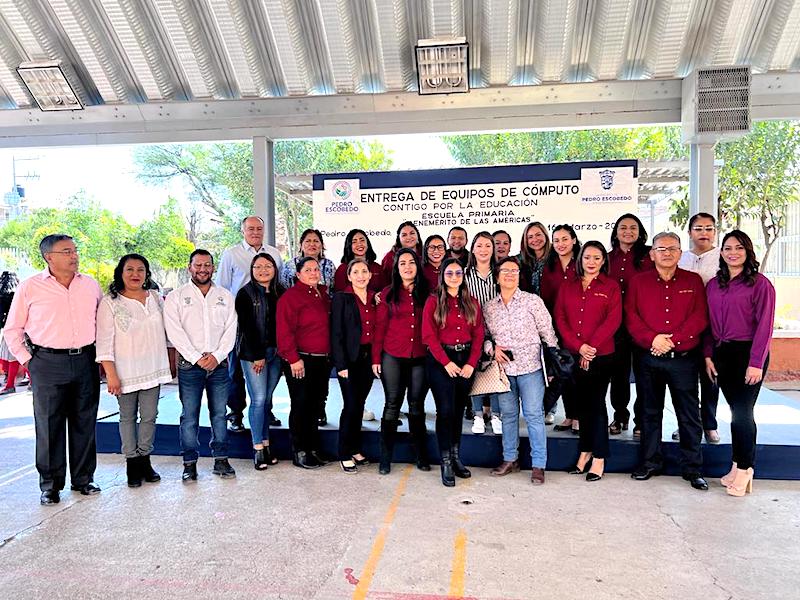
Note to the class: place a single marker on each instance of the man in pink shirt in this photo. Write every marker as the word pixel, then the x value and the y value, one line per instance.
pixel 51 330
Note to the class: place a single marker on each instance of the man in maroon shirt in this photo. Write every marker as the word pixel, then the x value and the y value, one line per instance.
pixel 666 313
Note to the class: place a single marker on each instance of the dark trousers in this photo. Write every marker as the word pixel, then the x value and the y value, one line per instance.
pixel 731 361
pixel 66 393
pixel 451 395
pixel 621 380
pixel 237 398
pixel 566 391
pixel 305 396
pixel 680 374
pixel 355 390
pixel 590 388
pixel 401 375
pixel 709 398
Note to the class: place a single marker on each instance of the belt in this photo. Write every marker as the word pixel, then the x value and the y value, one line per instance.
pixel 457 347
pixel 70 351
pixel 674 354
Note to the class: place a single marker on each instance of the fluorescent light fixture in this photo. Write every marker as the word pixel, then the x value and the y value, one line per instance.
pixel 48 86
pixel 442 65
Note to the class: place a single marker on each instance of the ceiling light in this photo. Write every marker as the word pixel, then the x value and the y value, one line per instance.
pixel 48 86
pixel 442 65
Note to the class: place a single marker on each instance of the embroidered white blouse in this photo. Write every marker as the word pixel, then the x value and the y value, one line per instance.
pixel 132 336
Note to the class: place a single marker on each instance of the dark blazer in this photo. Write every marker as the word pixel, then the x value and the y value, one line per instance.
pixel 345 330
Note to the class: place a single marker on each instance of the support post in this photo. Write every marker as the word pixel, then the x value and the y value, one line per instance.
pixel 702 179
pixel 264 185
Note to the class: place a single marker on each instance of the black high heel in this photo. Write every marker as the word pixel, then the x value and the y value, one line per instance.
pixel 577 471
pixel 260 460
pixel 271 460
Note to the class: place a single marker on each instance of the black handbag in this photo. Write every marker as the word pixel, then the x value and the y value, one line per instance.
pixel 558 362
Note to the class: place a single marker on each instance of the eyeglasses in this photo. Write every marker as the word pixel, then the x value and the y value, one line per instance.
pixel 509 271
pixel 458 273
pixel 67 252
pixel 667 249
pixel 436 247
pixel 708 228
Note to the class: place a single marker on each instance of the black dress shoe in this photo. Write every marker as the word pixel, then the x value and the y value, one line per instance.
pixel 49 497
pixel 148 473
pixel 189 472
pixel 274 421
pixel 384 468
pixel 593 476
pixel 322 458
pixel 305 460
pixel 87 489
pixel 575 470
pixel 223 468
pixel 645 473
pixel 235 424
pixel 697 481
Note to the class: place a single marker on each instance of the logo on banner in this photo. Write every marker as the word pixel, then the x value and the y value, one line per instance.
pixel 339 195
pixel 608 185
pixel 342 190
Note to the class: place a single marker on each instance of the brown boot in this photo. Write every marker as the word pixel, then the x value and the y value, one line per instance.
pixel 537 476
pixel 505 468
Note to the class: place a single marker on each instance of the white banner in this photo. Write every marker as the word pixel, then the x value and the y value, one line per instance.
pixel 590 202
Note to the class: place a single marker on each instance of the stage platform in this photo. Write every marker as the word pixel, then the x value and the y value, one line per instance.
pixel 777 415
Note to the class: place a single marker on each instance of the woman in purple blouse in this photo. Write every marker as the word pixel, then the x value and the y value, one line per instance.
pixel 741 306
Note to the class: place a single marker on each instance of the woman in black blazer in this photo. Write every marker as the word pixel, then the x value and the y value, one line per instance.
pixel 353 316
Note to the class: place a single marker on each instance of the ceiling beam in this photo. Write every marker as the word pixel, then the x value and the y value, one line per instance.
pixel 418 26
pixel 103 40
pixel 255 34
pixel 706 25
pixel 528 21
pixel 206 42
pixel 586 39
pixel 645 29
pixel 307 31
pixel 760 38
pixel 365 51
pixel 158 51
pixel 473 30
pixel 47 29
pixel 543 107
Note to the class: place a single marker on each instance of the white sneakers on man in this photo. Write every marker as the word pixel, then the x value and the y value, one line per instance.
pixel 478 424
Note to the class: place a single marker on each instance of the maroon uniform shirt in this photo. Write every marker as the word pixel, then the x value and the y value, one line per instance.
pixel 589 316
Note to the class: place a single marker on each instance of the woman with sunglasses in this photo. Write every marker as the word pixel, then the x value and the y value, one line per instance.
pixel 452 329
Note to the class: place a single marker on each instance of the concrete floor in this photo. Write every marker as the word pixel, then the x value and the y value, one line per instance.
pixel 287 533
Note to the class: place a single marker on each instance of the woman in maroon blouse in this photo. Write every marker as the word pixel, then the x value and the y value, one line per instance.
pixel 452 329
pixel 398 356
pixel 357 245
pixel 303 334
pixel 588 314
pixel 407 237
pixel 433 254
pixel 629 255
pixel 558 268
pixel 741 307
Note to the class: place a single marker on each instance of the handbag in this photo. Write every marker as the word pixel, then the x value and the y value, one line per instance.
pixel 558 362
pixel 490 379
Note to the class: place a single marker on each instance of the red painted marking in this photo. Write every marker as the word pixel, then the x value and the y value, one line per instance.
pixel 348 574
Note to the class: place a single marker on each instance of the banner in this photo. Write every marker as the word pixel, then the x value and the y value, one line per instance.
pixel 587 195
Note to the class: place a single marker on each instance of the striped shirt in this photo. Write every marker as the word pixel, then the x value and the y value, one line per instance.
pixel 482 289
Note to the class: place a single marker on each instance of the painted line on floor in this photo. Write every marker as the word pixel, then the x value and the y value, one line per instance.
pixel 15 471
pixel 458 571
pixel 25 474
pixel 378 545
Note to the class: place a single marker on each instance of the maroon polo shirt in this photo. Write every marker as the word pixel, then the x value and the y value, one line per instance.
pixel 621 268
pixel 432 276
pixel 552 280
pixel 678 306
pixel 376 283
pixel 369 314
pixel 398 330
pixel 303 322
pixel 456 330
pixel 589 316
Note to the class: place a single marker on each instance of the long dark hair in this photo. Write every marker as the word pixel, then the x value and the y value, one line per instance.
pixel 640 248
pixel 552 256
pixel 468 303
pixel 8 283
pixel 348 255
pixel 751 264
pixel 472 262
pixel 428 241
pixel 579 260
pixel 528 256
pixel 116 287
pixel 420 291
pixel 275 288
pixel 317 233
pixel 397 245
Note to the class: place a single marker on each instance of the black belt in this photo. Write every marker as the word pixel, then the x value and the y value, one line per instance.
pixel 70 351
pixel 674 354
pixel 457 347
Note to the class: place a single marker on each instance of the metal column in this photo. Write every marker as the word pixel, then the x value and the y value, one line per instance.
pixel 264 185
pixel 702 179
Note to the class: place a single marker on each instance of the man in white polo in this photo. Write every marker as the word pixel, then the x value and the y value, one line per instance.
pixel 233 273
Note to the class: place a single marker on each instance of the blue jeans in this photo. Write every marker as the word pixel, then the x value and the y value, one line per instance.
pixel 529 390
pixel 479 401
pixel 260 388
pixel 192 380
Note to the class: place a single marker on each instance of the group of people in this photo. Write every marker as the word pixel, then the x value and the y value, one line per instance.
pixel 471 325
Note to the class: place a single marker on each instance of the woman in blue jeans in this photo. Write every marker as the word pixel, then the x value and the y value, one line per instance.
pixel 256 347
pixel 518 322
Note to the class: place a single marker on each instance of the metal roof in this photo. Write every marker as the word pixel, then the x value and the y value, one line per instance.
pixel 166 52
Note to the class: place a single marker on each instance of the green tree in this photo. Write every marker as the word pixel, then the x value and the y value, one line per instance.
pixel 220 181
pixel 162 239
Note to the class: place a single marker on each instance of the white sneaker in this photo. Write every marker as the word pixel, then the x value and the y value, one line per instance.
pixel 368 416
pixel 497 425
pixel 478 425
pixel 549 419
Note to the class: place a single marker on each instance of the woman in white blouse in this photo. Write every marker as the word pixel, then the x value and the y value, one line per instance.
pixel 132 346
